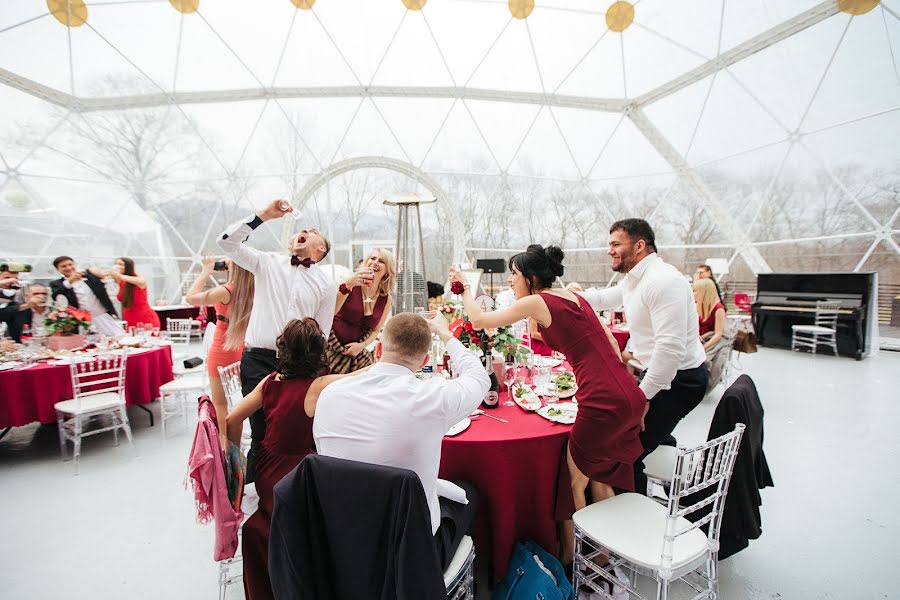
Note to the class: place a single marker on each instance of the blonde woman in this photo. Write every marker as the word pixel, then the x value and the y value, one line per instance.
pixel 362 306
pixel 711 311
pixel 233 303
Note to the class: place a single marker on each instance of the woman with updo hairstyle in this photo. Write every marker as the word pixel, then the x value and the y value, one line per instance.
pixel 288 400
pixel 603 444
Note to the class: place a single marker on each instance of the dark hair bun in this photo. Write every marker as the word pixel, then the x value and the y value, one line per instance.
pixel 555 255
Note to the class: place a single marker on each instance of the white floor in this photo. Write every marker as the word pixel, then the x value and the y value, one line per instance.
pixel 125 527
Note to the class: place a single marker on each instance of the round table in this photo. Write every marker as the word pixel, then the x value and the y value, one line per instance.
pixel 28 395
pixel 519 469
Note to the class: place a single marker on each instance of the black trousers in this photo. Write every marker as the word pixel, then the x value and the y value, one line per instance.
pixel 667 408
pixel 256 364
pixel 456 521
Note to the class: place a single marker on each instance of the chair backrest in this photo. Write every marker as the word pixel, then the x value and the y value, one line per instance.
pixel 178 331
pixel 827 314
pixel 743 301
pixel 102 375
pixel 230 376
pixel 708 465
pixel 343 529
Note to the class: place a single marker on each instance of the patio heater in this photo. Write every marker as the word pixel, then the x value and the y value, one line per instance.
pixel 411 293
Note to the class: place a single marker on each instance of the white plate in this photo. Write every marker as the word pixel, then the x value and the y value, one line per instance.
pixel 459 427
pixel 546 361
pixel 528 401
pixel 562 395
pixel 567 417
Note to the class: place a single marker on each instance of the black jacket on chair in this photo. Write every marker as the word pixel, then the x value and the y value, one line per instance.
pixel 345 530
pixel 741 520
pixel 94 283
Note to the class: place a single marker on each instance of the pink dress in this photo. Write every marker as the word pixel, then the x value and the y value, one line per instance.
pixel 604 441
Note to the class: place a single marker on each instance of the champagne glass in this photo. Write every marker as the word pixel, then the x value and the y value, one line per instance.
pixel 369 284
pixel 509 376
pixel 541 380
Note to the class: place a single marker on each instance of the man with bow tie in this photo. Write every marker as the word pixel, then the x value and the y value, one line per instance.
pixel 287 287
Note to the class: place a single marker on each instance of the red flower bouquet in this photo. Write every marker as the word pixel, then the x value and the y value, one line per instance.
pixel 66 320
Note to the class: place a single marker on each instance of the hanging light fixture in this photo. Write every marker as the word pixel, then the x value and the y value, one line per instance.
pixel 520 9
pixel 185 7
pixel 71 13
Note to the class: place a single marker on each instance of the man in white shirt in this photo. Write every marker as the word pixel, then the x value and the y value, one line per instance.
pixel 287 286
pixel 388 417
pixel 662 316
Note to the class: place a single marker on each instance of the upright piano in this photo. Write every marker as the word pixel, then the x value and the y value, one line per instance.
pixel 785 299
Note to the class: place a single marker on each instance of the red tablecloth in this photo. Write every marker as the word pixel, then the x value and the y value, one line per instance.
pixel 29 395
pixel 621 337
pixel 519 468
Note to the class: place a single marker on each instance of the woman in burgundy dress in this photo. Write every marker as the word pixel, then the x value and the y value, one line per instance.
pixel 603 443
pixel 133 294
pixel 361 309
pixel 288 399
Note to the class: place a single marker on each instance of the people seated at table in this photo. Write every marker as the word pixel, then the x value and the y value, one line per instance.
pixel 706 272
pixel 232 302
pixel 389 417
pixel 603 443
pixel 362 306
pixel 287 400
pixel 132 294
pixel 286 286
pixel 663 323
pixel 9 307
pixel 710 310
pixel 35 309
pixel 85 290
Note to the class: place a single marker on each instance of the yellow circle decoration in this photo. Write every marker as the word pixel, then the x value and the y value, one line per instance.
pixel 71 13
pixel 857 7
pixel 185 6
pixel 619 16
pixel 414 4
pixel 304 4
pixel 520 9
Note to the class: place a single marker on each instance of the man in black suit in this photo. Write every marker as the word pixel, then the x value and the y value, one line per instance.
pixel 32 312
pixel 85 290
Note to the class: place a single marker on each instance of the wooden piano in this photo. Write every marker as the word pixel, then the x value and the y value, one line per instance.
pixel 785 299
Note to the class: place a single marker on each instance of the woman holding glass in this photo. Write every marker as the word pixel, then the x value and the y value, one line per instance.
pixel 603 443
pixel 133 294
pixel 232 302
pixel 361 309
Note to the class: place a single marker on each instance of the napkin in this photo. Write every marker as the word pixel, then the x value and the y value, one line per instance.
pixel 451 491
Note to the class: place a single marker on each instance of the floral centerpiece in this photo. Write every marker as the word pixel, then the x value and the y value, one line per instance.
pixel 63 324
pixel 503 339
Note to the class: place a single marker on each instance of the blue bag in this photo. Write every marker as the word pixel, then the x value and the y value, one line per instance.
pixel 534 574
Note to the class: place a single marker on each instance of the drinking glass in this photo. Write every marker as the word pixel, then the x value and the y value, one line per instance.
pixel 369 285
pixel 509 376
pixel 541 379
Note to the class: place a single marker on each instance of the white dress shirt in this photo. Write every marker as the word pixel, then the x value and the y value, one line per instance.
pixel 101 321
pixel 662 318
pixel 388 417
pixel 282 291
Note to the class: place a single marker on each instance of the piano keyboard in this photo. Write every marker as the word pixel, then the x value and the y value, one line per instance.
pixel 842 311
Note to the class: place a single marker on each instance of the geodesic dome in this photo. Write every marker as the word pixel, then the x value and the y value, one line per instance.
pixel 764 133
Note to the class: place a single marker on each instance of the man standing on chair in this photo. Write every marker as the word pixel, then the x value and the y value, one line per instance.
pixel 287 286
pixel 662 315
pixel 85 290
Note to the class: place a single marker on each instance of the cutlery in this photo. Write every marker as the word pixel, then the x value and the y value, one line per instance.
pixel 480 412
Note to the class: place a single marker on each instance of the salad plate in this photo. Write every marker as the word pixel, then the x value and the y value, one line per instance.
pixel 547 361
pixel 526 398
pixel 563 412
pixel 565 384
pixel 459 427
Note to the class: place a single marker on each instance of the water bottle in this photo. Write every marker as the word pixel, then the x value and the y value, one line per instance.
pixel 26 334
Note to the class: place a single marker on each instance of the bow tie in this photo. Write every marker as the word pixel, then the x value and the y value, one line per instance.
pixel 306 262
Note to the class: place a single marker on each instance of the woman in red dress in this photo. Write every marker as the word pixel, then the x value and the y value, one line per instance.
pixel 362 306
pixel 133 294
pixel 288 399
pixel 603 443
pixel 232 303
pixel 710 310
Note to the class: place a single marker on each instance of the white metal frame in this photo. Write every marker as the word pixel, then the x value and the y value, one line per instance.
pixel 708 465
pixel 462 92
pixel 98 389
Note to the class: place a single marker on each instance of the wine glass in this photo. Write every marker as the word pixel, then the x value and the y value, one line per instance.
pixel 369 285
pixel 509 376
